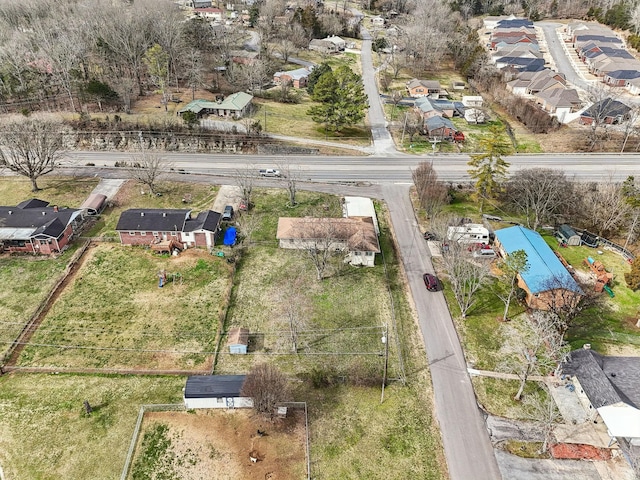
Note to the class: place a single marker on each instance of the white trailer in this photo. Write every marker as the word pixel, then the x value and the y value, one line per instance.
pixel 469 233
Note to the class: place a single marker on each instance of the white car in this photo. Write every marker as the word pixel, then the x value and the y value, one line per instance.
pixel 270 172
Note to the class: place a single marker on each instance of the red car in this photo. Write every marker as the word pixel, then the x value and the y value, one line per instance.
pixel 431 282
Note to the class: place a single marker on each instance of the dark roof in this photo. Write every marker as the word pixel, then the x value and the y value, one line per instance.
pixel 32 203
pixel 623 74
pixel 433 123
pixel 213 386
pixel 566 231
pixel 599 38
pixel 605 380
pixel 607 108
pixel 152 219
pixel 35 222
pixel 514 23
pixel 207 220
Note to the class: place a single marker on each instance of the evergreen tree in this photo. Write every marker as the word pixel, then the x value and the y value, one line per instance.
pixel 315 75
pixel 343 101
pixel 488 168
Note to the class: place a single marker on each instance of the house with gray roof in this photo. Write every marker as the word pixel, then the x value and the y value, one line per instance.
pixel 215 391
pixel 296 78
pixel 33 226
pixel 610 387
pixel 149 226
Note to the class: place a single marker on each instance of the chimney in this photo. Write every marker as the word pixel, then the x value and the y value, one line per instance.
pixel 55 208
pixel 587 346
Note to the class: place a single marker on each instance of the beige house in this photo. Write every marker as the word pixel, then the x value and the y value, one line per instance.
pixel 356 236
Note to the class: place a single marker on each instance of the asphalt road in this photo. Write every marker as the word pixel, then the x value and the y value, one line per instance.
pixel 379 170
pixel 467 447
pixel 563 64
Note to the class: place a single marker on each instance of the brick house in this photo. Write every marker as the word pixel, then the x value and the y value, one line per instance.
pixel 423 88
pixel 139 226
pixel 34 227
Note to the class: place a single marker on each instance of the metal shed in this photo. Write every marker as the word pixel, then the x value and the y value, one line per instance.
pixel 568 235
pixel 238 340
pixel 94 204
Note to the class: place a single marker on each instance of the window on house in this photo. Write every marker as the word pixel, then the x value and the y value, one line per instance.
pixel 219 400
pixel 174 234
pixel 369 254
pixel 143 234
pixel 132 233
pixel 155 234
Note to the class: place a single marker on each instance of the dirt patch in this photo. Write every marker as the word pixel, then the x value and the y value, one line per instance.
pixel 579 452
pixel 219 443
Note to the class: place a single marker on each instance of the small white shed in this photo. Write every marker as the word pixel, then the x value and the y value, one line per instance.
pixel 215 391
pixel 472 100
pixel 238 340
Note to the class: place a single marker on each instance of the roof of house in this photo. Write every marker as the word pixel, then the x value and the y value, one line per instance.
pixel 235 101
pixel 607 108
pixel 214 386
pixel 545 271
pixel 560 97
pixel 514 22
pixel 428 84
pixel 623 74
pixel 605 380
pixel 207 220
pixel 33 219
pixel 238 336
pixel 358 232
pixel 152 220
pixel 434 123
pixel 296 74
pixel 424 104
pixel 590 37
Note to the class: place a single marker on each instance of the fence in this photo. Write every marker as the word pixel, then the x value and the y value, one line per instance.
pixel 306 429
pixel 136 431
pixel 625 253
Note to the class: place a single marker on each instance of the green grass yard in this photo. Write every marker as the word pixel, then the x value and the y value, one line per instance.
pixel 63 191
pixel 46 435
pixel 113 315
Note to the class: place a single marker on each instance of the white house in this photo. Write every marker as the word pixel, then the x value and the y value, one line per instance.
pixel 209 13
pixel 360 207
pixel 356 236
pixel 472 100
pixel 469 233
pixel 215 391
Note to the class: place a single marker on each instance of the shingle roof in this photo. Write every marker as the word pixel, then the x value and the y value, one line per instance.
pixel 32 203
pixel 607 108
pixel 296 74
pixel 207 220
pixel 358 232
pixel 433 123
pixel 152 220
pixel 428 84
pixel 213 386
pixel 545 271
pixel 32 221
pixel 623 74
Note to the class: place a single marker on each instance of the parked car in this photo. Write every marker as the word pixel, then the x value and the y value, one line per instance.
pixel 478 246
pixel 484 253
pixel 431 282
pixel 270 172
pixel 430 236
pixel 227 214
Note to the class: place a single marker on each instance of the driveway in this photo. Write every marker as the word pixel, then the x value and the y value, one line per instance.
pixel 467 447
pixel 109 187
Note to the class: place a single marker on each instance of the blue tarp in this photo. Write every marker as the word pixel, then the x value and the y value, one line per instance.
pixel 230 236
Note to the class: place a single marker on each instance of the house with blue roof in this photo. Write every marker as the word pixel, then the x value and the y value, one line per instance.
pixel 547 283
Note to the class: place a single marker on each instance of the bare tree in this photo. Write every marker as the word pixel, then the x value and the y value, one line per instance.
pixel 604 100
pixel 31 148
pixel 293 307
pixel 194 71
pixel 286 48
pixel 465 275
pixel 245 179
pixel 630 126
pixel 532 347
pixel 267 387
pixel 514 265
pixel 290 177
pixel 539 193
pixel 147 168
pixel 320 242
pixel 563 300
pixel 602 206
pixel 433 194
pixel 543 411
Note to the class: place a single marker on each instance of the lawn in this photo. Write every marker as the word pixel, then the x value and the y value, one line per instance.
pixel 62 191
pixel 133 195
pixel 46 435
pixel 496 396
pixel 26 283
pixel 353 435
pixel 113 315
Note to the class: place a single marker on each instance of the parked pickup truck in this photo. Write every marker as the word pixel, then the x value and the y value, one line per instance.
pixel 270 172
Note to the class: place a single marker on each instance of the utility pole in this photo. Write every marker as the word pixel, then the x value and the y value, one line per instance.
pixel 385 341
pixel 265 120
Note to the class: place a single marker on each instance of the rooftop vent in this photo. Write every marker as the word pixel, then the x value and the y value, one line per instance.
pixel 164 214
pixel 142 214
pixel 587 346
pixel 44 213
pixel 10 212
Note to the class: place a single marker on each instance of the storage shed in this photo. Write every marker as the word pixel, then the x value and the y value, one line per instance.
pixel 94 204
pixel 238 340
pixel 568 235
pixel 215 391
